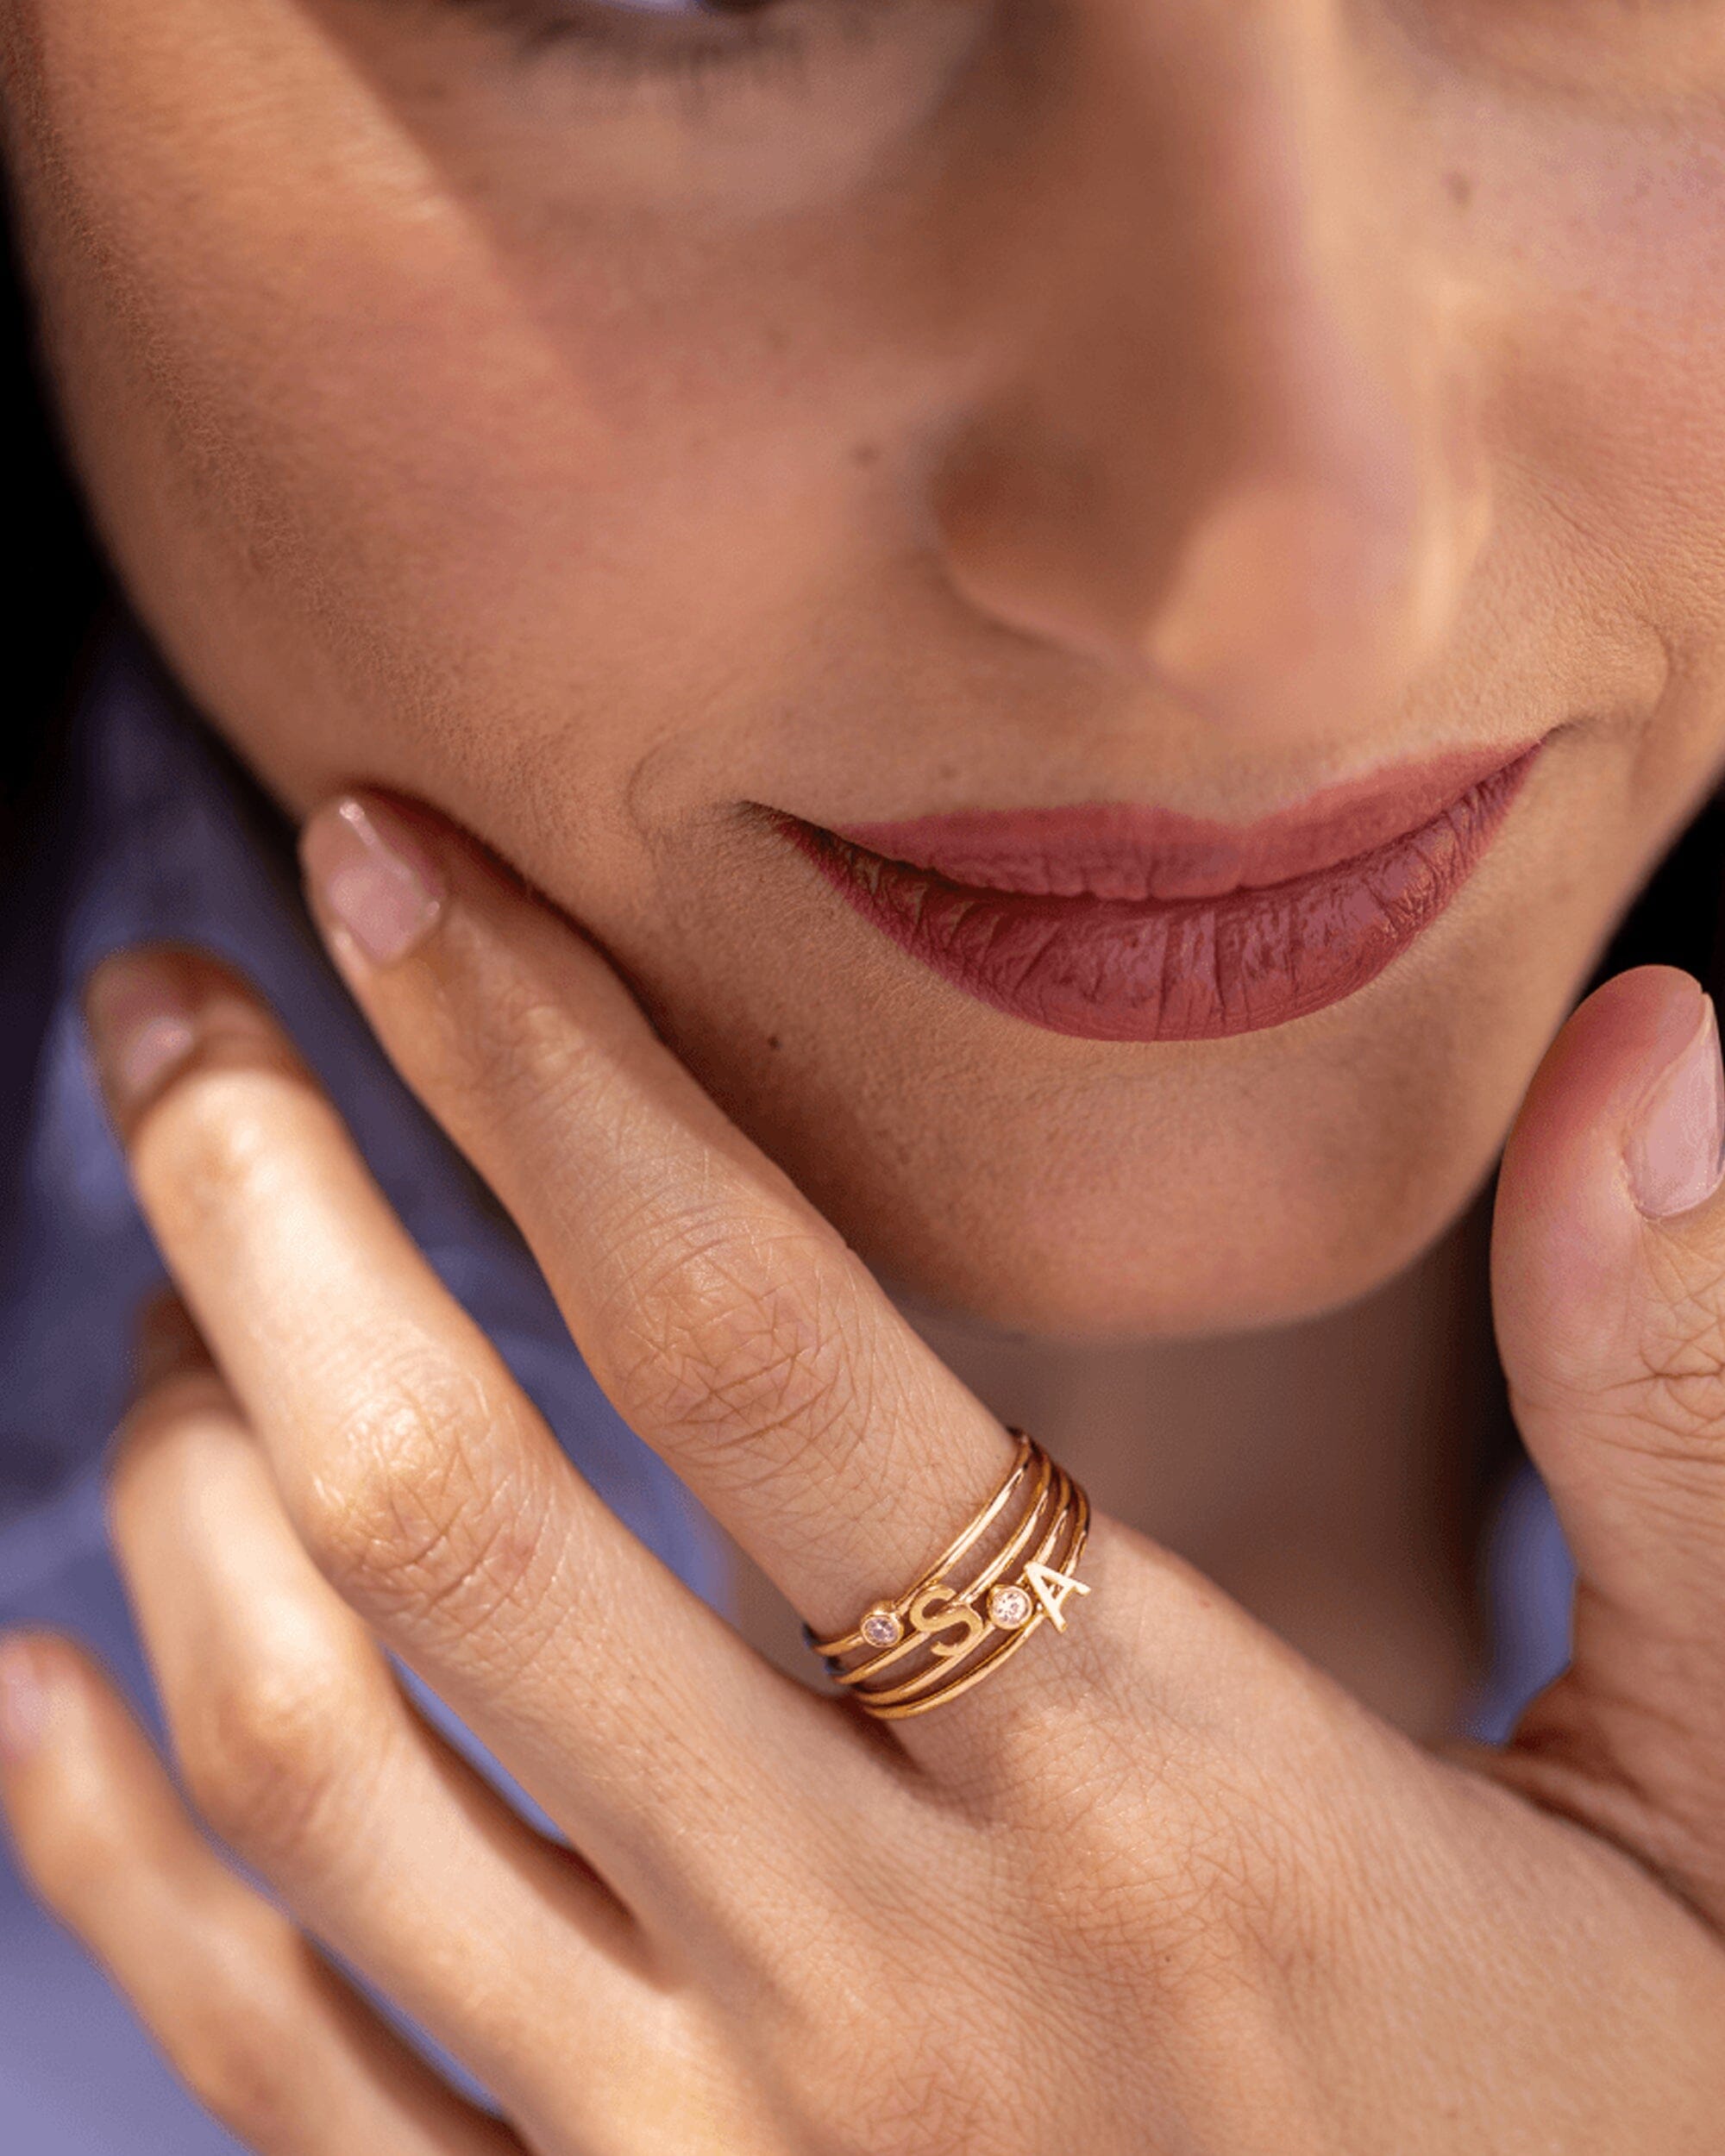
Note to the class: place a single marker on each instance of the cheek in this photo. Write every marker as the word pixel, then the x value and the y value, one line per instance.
pixel 368 476
pixel 1588 270
pixel 1606 328
pixel 244 268
pixel 1623 385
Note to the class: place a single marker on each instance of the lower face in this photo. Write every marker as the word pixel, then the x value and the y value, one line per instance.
pixel 1105 696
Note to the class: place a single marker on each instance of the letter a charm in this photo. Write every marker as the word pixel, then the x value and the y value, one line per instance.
pixel 1050 1589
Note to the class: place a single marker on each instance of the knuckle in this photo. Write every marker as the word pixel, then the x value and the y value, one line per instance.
pixel 525 1046
pixel 238 2045
pixel 221 1145
pixel 517 1054
pixel 731 1325
pixel 1680 1389
pixel 1673 1390
pixel 427 1508
pixel 270 1754
pixel 1649 1377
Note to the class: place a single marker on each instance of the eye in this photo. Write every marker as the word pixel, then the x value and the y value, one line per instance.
pixel 824 82
pixel 649 31
pixel 545 20
pixel 691 6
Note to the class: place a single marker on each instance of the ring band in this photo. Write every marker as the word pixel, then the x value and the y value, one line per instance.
pixel 953 1637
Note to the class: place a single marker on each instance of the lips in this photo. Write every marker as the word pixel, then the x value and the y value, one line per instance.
pixel 1116 923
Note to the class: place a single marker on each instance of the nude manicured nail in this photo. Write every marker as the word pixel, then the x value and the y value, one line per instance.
pixel 24 1700
pixel 1676 1152
pixel 141 1023
pixel 372 877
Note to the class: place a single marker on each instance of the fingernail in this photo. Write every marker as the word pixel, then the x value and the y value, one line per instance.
pixel 141 1023
pixel 1676 1152
pixel 24 1699
pixel 371 876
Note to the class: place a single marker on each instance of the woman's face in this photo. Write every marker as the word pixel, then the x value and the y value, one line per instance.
pixel 612 423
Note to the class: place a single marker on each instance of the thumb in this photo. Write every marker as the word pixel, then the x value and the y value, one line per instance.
pixel 1609 1281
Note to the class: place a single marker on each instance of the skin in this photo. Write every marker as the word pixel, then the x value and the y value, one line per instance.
pixel 1187 404
pixel 1191 405
pixel 1233 1908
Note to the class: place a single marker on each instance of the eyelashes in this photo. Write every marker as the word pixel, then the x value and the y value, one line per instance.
pixel 682 41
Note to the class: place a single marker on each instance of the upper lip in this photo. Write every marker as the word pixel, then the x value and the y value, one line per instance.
pixel 1119 850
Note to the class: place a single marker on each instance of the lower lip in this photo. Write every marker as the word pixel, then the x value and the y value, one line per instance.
pixel 1190 969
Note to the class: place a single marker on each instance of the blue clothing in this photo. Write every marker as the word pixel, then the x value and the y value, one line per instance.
pixel 157 833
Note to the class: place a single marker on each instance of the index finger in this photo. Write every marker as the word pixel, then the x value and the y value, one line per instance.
pixel 728 1321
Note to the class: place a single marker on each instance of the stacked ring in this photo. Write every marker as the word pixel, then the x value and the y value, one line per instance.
pixel 938 1640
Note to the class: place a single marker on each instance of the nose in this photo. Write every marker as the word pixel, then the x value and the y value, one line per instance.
pixel 1233 446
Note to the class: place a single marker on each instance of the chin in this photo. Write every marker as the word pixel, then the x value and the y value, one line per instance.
pixel 1112 1222
pixel 1114 1277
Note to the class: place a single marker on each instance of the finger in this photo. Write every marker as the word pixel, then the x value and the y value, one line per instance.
pixel 422 1482
pixel 726 1320
pixel 262 2031
pixel 300 1750
pixel 1609 1265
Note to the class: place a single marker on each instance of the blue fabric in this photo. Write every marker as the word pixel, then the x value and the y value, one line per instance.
pixel 1529 1579
pixel 158 834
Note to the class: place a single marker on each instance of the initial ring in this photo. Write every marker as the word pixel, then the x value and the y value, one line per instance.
pixel 937 1639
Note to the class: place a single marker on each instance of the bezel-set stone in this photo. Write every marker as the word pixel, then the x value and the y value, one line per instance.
pixel 882 1627
pixel 1009 1606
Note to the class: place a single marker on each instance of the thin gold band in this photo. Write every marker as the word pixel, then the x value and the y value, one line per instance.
pixel 1027 1581
pixel 848 1642
pixel 1022 1535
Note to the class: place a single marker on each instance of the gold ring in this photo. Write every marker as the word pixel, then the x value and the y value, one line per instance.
pixel 936 1640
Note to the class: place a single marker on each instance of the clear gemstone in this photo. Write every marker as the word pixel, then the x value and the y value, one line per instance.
pixel 881 1628
pixel 1008 1606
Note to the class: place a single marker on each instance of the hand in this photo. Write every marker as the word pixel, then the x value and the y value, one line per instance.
pixel 1157 1885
